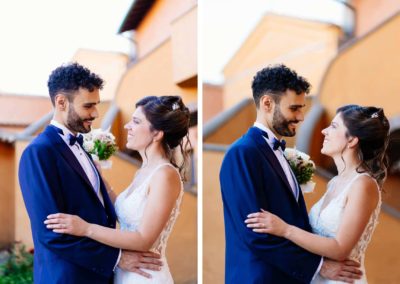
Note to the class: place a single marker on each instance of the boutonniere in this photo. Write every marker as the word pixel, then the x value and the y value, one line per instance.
pixel 303 168
pixel 101 145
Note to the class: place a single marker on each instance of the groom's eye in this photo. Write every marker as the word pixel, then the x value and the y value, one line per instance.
pixel 88 106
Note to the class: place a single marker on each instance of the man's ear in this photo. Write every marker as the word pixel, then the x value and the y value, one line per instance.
pixel 60 102
pixel 267 103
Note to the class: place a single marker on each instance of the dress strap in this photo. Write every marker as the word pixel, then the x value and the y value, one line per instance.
pixel 376 182
pixel 148 178
pixel 356 177
pixel 159 167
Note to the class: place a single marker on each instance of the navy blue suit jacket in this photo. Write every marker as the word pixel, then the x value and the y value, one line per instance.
pixel 252 178
pixel 52 180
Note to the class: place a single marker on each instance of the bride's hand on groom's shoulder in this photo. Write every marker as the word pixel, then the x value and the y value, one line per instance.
pixel 266 222
pixel 135 261
pixel 67 224
pixel 345 271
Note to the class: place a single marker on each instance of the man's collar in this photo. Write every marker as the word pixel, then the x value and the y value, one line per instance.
pixel 65 130
pixel 261 126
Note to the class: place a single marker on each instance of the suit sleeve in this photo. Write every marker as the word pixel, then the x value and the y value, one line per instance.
pixel 241 183
pixel 40 185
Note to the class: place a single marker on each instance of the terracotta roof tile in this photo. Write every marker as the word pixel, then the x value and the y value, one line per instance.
pixel 19 110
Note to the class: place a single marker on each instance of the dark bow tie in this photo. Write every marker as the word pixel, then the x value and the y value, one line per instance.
pixel 73 139
pixel 277 144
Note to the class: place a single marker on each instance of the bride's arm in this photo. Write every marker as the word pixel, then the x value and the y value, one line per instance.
pixel 164 190
pixel 361 202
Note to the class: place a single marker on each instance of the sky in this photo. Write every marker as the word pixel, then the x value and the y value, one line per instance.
pixel 225 24
pixel 37 36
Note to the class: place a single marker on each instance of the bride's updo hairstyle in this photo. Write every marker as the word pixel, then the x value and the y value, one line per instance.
pixel 371 127
pixel 170 115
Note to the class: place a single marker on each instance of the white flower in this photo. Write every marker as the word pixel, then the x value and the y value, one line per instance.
pixel 88 145
pixel 302 167
pixel 100 143
pixel 290 153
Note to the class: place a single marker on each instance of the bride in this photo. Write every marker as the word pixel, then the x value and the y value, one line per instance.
pixel 148 208
pixel 344 219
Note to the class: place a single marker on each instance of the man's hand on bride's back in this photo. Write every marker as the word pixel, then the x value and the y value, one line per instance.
pixel 346 271
pixel 135 261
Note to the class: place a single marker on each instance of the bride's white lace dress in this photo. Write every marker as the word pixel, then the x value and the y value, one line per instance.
pixel 129 207
pixel 326 223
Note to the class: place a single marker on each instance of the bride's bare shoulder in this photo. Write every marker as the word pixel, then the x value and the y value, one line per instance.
pixel 365 189
pixel 166 176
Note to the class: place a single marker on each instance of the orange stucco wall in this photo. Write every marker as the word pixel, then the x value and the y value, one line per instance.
pixel 184 47
pixel 182 244
pixel 22 224
pixel 156 26
pixel 304 46
pixel 366 72
pixel 213 221
pixel 212 101
pixel 371 13
pixel 233 128
pixel 7 187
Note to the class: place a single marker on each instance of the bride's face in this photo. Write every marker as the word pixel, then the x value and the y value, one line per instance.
pixel 139 131
pixel 335 137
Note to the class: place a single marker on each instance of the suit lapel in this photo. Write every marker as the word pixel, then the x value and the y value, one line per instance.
pixel 64 150
pixel 109 207
pixel 256 134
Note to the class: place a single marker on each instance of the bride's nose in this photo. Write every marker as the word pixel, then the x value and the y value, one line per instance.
pixel 325 131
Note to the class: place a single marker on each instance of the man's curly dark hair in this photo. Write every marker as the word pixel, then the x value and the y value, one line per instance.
pixel 274 80
pixel 69 78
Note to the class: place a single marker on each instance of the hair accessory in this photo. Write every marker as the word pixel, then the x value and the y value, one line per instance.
pixel 175 106
pixel 374 115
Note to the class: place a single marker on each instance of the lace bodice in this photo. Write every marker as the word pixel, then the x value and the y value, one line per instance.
pixel 130 206
pixel 327 222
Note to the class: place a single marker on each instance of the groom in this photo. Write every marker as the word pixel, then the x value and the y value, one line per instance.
pixel 57 175
pixel 254 175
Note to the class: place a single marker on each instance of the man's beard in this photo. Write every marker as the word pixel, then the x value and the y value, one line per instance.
pixel 75 122
pixel 281 124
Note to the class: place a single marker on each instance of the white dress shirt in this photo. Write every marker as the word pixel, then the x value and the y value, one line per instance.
pixel 286 168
